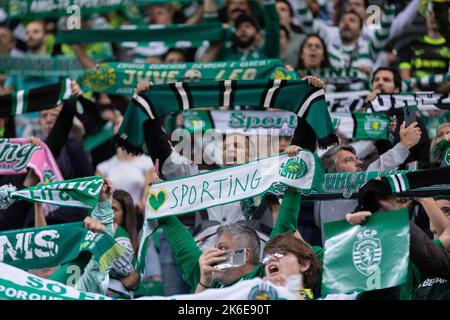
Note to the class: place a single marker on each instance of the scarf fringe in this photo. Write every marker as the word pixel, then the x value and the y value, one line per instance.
pixel 328 141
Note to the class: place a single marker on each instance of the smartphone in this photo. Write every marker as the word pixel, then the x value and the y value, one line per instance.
pixel 235 258
pixel 410 115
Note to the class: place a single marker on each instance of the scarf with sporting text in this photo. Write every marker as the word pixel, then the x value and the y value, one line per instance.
pixel 45 247
pixel 16 155
pixel 79 193
pixel 34 100
pixel 306 101
pixel 231 184
pixel 122 78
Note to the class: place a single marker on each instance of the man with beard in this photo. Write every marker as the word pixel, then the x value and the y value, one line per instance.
pixel 344 159
pixel 388 80
pixel 246 41
pixel 36 38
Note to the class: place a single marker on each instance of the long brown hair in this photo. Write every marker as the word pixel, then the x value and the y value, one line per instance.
pixel 287 242
pixel 129 221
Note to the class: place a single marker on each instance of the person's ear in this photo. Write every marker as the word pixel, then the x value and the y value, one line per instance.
pixel 248 254
pixel 303 267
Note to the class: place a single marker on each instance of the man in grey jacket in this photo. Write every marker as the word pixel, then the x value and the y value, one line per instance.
pixel 344 159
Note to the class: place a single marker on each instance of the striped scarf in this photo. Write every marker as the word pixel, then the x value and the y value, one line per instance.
pixel 305 101
pixel 34 100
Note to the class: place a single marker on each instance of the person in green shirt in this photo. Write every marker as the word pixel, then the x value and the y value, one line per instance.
pixel 245 43
pixel 198 269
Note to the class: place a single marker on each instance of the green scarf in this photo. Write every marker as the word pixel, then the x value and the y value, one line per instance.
pixel 442 153
pixel 79 193
pixel 16 284
pixel 38 9
pixel 434 80
pixel 361 126
pixel 122 78
pixel 34 100
pixel 35 66
pixel 340 77
pixel 374 255
pixel 45 247
pixel 232 184
pixel 172 35
pixel 296 96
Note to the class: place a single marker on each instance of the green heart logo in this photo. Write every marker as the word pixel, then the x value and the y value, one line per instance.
pixel 157 199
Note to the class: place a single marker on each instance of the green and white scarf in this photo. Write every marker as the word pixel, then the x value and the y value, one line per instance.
pixel 38 9
pixel 222 186
pixel 361 126
pixel 296 96
pixel 354 101
pixel 173 36
pixel 339 77
pixel 374 255
pixel 35 66
pixel 16 284
pixel 423 101
pixel 79 193
pixel 122 78
pixel 407 85
pixel 34 100
pixel 45 247
pixel 278 123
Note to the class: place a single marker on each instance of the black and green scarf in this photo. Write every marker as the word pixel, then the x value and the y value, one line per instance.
pixel 34 100
pixel 306 101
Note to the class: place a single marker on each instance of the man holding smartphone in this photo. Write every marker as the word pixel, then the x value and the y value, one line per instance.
pixel 388 80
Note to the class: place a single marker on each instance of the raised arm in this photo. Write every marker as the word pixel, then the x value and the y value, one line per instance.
pixel 272 28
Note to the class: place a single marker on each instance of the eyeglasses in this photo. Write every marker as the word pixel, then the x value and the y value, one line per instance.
pixel 311 46
pixel 277 255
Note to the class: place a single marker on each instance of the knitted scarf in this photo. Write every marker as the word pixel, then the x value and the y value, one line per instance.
pixel 173 36
pixel 34 100
pixel 401 183
pixel 45 247
pixel 36 66
pixel 36 9
pixel 296 96
pixel 408 85
pixel 80 193
pixel 122 78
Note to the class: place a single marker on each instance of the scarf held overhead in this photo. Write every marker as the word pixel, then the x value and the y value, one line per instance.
pixel 122 78
pixel 16 155
pixel 34 100
pixel 79 193
pixel 218 187
pixel 361 126
pixel 45 247
pixel 16 284
pixel 241 122
pixel 173 36
pixel 38 9
pixel 36 66
pixel 306 101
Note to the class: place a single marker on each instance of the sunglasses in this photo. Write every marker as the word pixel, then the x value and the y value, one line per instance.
pixel 277 255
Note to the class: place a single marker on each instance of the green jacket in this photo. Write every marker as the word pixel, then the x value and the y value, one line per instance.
pixel 187 253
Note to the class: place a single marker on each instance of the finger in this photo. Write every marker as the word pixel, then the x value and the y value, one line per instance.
pixel 214 260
